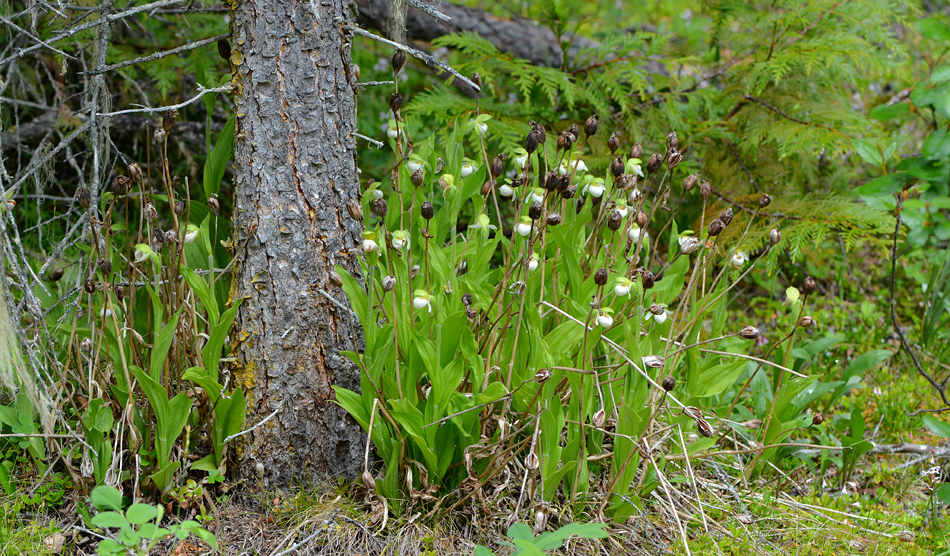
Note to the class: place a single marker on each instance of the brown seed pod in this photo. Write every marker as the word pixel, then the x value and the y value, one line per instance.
pixel 705 189
pixel 642 219
pixel 599 417
pixel 579 204
pixel 674 160
pixel 551 181
pixel 818 419
pixel 168 120
pixel 542 376
pixel 471 314
pixel 467 299
pixel 89 286
pixel 575 131
pixel 497 166
pixel 160 136
pixel 672 143
pixel 655 163
pixel 656 310
pixel 715 228
pixel 84 197
pixel 335 278
pixel 590 126
pixel 553 219
pixel 750 333
pixel 690 182
pixel 486 188
pixel 379 208
pixel 426 210
pixel 636 151
pixel 562 184
pixel 809 286
pixel 477 80
pixel 648 279
pixel 417 177
pixel 600 277
pixel 765 200
pixel 120 186
pixel 224 49
pixel 119 290
pixel 56 275
pixel 149 212
pixel 355 209
pixel 170 237
pixel 565 141
pixel 806 322
pixel 395 102
pixel 180 207
pixel 388 283
pixel 614 220
pixel 355 72
pixel 535 210
pixel 775 237
pixel 669 383
pixel 105 267
pixel 368 481
pixel 726 216
pixel 532 141
pixel 542 134
pixel 569 192
pixel 86 345
pixel 705 428
pixel 213 204
pixel 399 60
pixel 613 143
pixel 617 167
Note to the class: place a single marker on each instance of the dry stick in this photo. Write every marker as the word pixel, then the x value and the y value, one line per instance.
pixel 670 499
pixel 157 55
pixel 202 91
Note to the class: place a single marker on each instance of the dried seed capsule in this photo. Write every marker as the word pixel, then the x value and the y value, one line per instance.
pixel 170 237
pixel 775 237
pixel 399 60
pixel 368 481
pixel 656 310
pixel 599 417
pixel 471 314
pixel 535 210
pixel 690 182
pixel 579 204
pixel 213 204
pixel 379 208
pixel 354 208
pixel 542 376
pixel 562 183
pixel 105 267
pixel 669 383
pixel 705 428
pixel 810 286
pixel 395 102
pixel 569 192
pixel 806 322
pixel 655 162
pixel 160 136
pixel 750 333
pixel 818 419
pixel 417 177
pixel 590 126
pixel 119 290
pixel 56 275
pixel 84 197
pixel 467 299
pixel 497 166
pixel 636 151
pixel 613 143
pixel 726 216
pixel 120 186
pixel 672 143
pixel 150 213
pixel 705 189
pixel 765 200
pixel 335 278
pixel 642 219
pixel 565 141
pixel 617 167
pixel 224 49
pixel 388 283
pixel 551 181
pixel 486 188
pixel 648 279
pixel 575 131
pixel 715 227
pixel 532 141
pixel 426 210
pixel 134 172
pixel 168 120
pixel 600 277
pixel 180 207
pixel 674 160
pixel 477 80
pixel 89 286
pixel 553 219
pixel 542 134
pixel 614 220
pixel 86 345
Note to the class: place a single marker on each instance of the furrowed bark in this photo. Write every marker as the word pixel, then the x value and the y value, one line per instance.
pixel 295 162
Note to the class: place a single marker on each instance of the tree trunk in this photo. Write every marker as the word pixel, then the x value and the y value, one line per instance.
pixel 295 161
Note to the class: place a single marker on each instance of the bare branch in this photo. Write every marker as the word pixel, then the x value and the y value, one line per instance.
pixel 157 55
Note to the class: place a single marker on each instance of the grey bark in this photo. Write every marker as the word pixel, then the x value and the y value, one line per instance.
pixel 295 165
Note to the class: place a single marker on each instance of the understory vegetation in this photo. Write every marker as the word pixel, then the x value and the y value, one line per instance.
pixel 683 289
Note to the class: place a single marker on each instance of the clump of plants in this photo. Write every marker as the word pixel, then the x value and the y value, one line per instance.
pixel 538 318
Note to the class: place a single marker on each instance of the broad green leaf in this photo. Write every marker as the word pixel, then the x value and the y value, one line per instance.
pixel 166 334
pixel 138 514
pixel 884 113
pixel 936 426
pixel 933 29
pixel 105 497
pixel 109 519
pixel 218 159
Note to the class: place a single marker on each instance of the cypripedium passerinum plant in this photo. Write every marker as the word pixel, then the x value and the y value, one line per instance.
pixel 532 335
